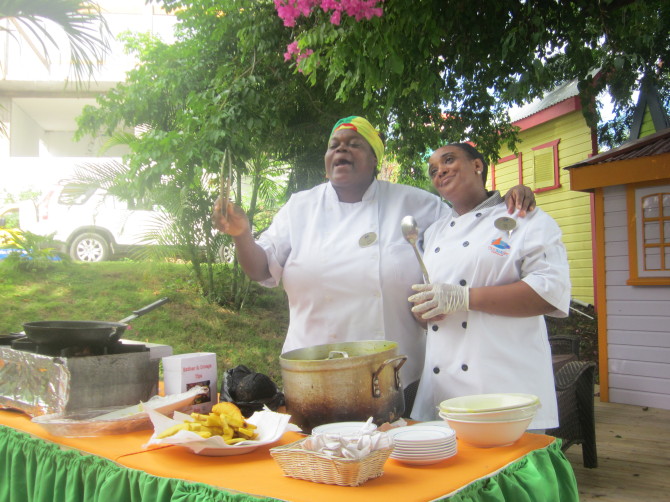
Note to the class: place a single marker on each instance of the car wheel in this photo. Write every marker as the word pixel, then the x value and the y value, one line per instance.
pixel 226 253
pixel 89 247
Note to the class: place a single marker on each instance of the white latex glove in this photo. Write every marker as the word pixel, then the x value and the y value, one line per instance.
pixel 434 300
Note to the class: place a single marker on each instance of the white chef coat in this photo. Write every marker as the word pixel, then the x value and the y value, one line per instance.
pixel 477 353
pixel 346 268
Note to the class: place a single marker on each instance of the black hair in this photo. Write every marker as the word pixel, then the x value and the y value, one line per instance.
pixel 474 154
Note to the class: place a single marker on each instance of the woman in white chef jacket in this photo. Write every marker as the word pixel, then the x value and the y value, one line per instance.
pixel 339 252
pixel 492 280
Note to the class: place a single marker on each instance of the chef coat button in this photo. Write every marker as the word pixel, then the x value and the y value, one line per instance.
pixel 464 324
pixel 437 249
pixel 436 370
pixel 452 223
pixel 463 282
pixel 434 327
pixel 478 215
pixel 466 244
pixel 464 367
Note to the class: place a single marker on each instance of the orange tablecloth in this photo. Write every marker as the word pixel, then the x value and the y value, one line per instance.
pixel 258 474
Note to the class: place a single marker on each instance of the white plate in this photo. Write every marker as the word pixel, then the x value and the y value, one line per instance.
pixel 437 447
pixel 445 451
pixel 224 452
pixel 341 428
pixel 421 434
pixel 423 455
pixel 437 423
pixel 420 461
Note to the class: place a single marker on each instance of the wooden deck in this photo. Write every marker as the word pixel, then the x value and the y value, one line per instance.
pixel 633 455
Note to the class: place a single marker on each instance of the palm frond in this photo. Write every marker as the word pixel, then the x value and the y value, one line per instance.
pixel 82 23
pixel 119 138
pixel 100 174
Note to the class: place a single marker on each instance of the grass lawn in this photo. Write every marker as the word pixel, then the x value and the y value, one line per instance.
pixel 110 291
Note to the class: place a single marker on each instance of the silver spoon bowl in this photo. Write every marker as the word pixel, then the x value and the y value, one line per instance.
pixel 410 231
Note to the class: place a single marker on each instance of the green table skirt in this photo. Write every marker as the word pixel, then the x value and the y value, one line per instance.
pixel 34 470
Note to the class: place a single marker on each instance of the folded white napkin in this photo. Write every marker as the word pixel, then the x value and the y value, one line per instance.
pixel 352 445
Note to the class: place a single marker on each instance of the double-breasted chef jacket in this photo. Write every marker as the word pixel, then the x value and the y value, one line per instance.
pixel 477 353
pixel 346 268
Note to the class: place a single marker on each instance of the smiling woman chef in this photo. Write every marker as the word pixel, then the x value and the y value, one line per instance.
pixel 494 279
pixel 339 251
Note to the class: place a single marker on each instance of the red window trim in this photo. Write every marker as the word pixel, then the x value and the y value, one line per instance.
pixel 519 156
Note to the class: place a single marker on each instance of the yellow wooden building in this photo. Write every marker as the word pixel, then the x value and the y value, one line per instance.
pixel 554 134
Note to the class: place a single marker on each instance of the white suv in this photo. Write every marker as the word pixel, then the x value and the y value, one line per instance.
pixel 91 224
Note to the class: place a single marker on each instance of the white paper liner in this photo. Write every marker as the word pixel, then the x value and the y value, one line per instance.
pixel 270 427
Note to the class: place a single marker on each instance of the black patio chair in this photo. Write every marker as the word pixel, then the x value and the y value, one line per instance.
pixel 574 391
pixel 409 396
pixel 564 344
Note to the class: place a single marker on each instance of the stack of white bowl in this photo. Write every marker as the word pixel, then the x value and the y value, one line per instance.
pixel 489 420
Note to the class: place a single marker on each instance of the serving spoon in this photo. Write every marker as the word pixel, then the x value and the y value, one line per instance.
pixel 410 231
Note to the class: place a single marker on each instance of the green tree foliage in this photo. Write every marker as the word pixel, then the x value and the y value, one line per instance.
pixel 222 87
pixel 446 70
pixel 32 253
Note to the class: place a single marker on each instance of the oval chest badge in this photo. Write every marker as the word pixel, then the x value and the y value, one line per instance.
pixel 367 239
pixel 505 223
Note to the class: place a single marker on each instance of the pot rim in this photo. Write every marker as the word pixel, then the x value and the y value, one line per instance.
pixel 75 325
pixel 390 348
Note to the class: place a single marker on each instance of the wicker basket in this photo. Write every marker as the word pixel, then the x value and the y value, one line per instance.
pixel 299 463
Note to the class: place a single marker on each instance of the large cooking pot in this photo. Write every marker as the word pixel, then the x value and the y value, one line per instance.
pixel 349 381
pixel 86 333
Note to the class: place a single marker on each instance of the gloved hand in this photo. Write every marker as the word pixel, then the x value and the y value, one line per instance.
pixel 434 300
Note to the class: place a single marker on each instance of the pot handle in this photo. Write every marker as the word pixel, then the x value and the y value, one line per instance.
pixel 376 391
pixel 115 334
pixel 144 310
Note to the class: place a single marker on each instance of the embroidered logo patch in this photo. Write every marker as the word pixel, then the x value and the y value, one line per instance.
pixel 499 247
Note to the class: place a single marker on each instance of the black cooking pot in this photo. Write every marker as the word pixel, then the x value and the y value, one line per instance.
pixel 94 333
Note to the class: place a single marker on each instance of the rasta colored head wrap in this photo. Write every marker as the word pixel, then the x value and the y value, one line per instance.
pixel 365 129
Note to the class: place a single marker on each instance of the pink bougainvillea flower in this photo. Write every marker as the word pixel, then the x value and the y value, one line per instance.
pixel 335 18
pixel 290 10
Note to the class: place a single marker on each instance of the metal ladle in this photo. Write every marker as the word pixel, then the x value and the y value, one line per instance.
pixel 410 232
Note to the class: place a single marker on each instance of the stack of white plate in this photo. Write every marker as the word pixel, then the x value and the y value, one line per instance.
pixel 423 444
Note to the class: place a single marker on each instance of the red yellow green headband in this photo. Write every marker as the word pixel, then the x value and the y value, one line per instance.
pixel 365 129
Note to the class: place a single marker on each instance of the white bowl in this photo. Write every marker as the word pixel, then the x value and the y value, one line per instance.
pixel 489 434
pixel 494 416
pixel 479 403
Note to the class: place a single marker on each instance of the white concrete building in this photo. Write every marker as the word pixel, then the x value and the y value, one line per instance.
pixel 39 101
